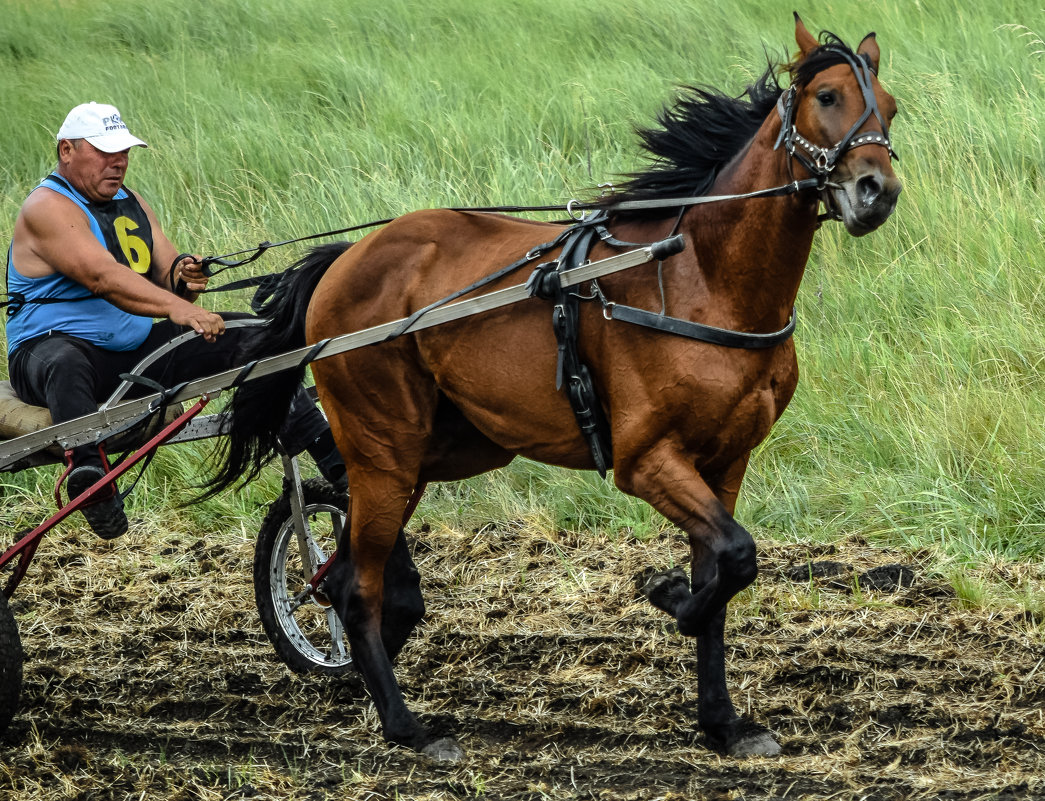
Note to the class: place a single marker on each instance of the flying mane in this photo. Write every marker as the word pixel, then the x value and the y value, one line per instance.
pixel 704 129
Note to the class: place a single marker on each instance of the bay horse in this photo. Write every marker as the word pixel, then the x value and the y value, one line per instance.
pixel 681 416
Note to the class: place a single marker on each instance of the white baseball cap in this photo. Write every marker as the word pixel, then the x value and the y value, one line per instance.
pixel 99 124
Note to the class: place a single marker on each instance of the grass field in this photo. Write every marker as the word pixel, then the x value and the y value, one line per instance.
pixel 918 419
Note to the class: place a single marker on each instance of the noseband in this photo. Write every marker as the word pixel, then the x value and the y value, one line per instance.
pixel 821 161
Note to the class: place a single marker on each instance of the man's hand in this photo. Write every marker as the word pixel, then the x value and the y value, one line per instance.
pixel 209 324
pixel 190 270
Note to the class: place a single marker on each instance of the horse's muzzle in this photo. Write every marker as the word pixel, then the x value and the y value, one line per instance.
pixel 865 201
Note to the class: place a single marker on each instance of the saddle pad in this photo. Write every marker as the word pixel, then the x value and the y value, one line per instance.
pixel 17 417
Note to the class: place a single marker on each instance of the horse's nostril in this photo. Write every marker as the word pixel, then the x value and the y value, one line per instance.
pixel 868 190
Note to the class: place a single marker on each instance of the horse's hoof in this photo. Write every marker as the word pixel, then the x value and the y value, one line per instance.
pixel 445 749
pixel 665 589
pixel 756 745
pixel 744 738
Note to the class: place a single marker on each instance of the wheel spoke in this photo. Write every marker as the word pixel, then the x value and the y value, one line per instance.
pixel 295 601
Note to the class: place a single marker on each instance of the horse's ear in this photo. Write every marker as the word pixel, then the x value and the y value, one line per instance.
pixel 806 41
pixel 869 48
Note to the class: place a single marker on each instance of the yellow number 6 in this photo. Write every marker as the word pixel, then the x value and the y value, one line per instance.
pixel 134 247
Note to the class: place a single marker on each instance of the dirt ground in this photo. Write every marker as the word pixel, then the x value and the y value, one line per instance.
pixel 148 677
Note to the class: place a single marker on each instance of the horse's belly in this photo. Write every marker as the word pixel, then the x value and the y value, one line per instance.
pixel 500 372
pixel 532 422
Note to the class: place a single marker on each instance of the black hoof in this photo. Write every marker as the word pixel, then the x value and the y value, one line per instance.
pixel 742 739
pixel 665 590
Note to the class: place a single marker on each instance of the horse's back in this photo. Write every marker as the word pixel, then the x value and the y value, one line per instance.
pixel 415 260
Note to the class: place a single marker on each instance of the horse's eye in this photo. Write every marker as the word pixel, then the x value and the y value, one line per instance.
pixel 825 98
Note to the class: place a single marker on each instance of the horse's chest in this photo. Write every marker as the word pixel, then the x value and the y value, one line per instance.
pixel 736 401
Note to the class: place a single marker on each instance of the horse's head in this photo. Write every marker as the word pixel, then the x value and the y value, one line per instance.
pixel 835 124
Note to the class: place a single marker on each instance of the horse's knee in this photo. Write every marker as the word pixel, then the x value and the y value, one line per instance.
pixel 401 603
pixel 719 574
pixel 739 559
pixel 728 556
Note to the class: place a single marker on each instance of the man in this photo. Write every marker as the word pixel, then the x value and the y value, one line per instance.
pixel 89 269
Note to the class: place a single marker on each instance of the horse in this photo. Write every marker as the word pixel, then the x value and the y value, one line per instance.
pixel 679 415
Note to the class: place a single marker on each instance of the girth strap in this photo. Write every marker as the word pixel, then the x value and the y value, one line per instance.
pixel 699 331
pixel 571 373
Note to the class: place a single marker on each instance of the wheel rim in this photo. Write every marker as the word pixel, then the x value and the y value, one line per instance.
pixel 310 625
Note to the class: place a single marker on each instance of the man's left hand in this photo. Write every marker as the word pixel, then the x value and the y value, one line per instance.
pixel 190 270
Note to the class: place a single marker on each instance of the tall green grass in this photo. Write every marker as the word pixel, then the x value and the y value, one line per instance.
pixel 920 410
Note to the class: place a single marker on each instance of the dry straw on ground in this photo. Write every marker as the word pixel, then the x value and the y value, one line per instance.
pixel 148 677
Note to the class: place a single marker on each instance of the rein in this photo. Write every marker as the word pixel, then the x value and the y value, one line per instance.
pixel 819 161
pixel 227 261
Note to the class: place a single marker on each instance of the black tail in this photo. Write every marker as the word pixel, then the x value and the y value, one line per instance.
pixel 259 408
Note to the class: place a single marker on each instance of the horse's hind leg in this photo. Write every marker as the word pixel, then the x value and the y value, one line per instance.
pixel 403 605
pixel 723 563
pixel 359 590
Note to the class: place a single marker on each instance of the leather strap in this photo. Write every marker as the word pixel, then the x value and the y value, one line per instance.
pixel 699 331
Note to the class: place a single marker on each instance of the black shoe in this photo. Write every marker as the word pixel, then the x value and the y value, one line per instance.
pixel 105 517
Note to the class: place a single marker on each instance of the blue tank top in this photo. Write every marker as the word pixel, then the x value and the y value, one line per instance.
pixel 122 227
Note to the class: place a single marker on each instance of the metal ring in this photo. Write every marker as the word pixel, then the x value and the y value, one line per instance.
pixel 570 210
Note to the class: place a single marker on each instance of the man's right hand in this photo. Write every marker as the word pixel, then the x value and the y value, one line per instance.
pixel 208 324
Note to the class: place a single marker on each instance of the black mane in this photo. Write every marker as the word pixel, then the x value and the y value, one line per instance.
pixel 704 129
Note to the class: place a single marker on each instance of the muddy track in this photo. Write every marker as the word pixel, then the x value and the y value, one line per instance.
pixel 148 676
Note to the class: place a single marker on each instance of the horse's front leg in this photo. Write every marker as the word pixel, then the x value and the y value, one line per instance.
pixel 723 562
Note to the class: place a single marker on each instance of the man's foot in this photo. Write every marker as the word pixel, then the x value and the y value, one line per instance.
pixel 106 516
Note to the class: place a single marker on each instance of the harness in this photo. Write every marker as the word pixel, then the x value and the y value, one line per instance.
pixel 571 372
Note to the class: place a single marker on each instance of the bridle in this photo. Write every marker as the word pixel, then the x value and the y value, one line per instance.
pixel 821 161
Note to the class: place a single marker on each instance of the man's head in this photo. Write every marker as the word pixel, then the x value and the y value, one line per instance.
pixel 93 143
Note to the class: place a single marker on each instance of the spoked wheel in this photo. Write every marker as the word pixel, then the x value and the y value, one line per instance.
pixel 10 664
pixel 304 629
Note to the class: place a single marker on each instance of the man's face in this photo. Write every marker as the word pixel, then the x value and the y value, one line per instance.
pixel 96 174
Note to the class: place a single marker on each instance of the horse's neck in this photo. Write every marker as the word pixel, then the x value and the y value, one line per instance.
pixel 753 252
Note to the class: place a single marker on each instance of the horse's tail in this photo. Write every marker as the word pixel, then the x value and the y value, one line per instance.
pixel 259 407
